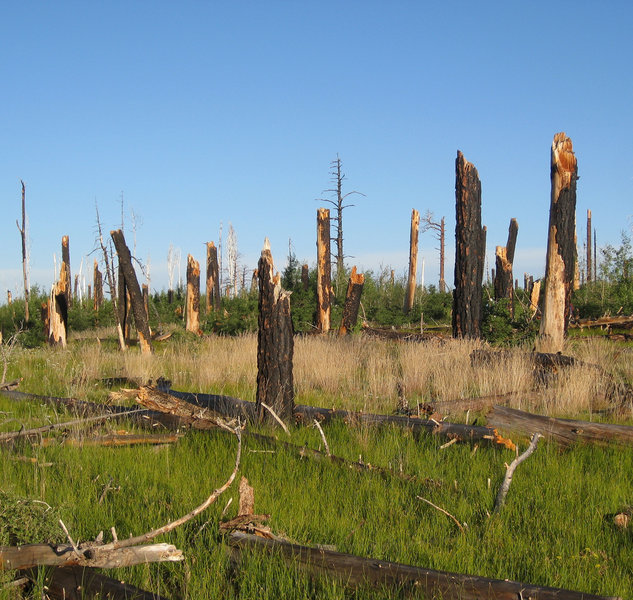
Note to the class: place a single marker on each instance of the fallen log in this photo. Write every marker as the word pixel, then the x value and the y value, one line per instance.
pixel 355 570
pixel 236 408
pixel 622 321
pixel 563 431
pixel 79 583
pixel 64 555
pixel 114 440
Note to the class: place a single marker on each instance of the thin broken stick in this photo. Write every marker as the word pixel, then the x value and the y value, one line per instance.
pixel 272 412
pixel 461 528
pixel 507 480
pixel 327 448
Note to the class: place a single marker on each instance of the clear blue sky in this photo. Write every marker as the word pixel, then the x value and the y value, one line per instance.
pixel 202 113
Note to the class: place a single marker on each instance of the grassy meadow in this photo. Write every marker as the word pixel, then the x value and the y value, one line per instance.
pixel 556 528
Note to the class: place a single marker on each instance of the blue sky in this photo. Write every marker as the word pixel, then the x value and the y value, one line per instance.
pixel 207 113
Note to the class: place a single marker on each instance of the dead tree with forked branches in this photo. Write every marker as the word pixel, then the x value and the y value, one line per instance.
pixel 440 233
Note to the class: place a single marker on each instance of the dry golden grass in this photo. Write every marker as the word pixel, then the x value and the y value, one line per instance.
pixel 355 372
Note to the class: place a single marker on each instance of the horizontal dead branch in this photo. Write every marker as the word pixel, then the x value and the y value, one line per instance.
pixel 563 431
pixel 34 555
pixel 355 570
pixel 114 440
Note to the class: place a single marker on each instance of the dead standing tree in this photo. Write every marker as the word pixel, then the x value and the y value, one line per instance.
pixel 213 279
pixel 25 260
pixel 65 277
pixel 470 251
pixel 98 287
pixel 352 302
pixel 136 297
pixel 413 261
pixel 339 205
pixel 275 343
pixel 324 277
pixel 192 303
pixel 504 257
pixel 589 266
pixel 560 266
pixel 440 232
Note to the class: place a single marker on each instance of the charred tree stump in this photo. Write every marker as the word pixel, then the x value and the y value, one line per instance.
pixel 145 290
pixel 324 272
pixel 275 343
pixel 504 257
pixel 352 302
pixel 413 260
pixel 254 282
pixel 98 287
pixel 57 315
pixel 305 277
pixel 123 305
pixel 213 279
pixel 64 276
pixel 470 240
pixel 560 265
pixel 136 297
pixel 589 265
pixel 193 295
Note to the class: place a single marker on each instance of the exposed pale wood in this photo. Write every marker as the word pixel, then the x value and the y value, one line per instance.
pixel 275 342
pixel 504 257
pixel 620 321
pixel 192 303
pixel 131 282
pixel 324 272
pixel 81 583
pixel 562 431
pixel 413 261
pixel 352 301
pixel 90 555
pixel 114 440
pixel 427 583
pixel 57 313
pixel 470 250
pixel 560 267
pixel 535 293
pixel 64 275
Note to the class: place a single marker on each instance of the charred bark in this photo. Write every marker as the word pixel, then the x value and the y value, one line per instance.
pixel 98 287
pixel 470 240
pixel 561 261
pixel 352 302
pixel 275 343
pixel 57 310
pixel 413 260
pixel 136 297
pixel 64 276
pixel 193 295
pixel 213 279
pixel 324 271
pixel 589 253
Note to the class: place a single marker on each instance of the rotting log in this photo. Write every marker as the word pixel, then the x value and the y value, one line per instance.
pixel 28 556
pixel 352 301
pixel 192 303
pixel 136 297
pixel 470 251
pixel 413 261
pixel 504 257
pixel 429 583
pixel 81 583
pixel 275 342
pixel 562 431
pixel 620 321
pixel 114 440
pixel 98 287
pixel 560 266
pixel 213 279
pixel 324 271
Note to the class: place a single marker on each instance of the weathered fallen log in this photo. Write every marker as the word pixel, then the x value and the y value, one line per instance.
pixel 621 321
pixel 479 404
pixel 114 440
pixel 40 555
pixel 233 407
pixel 355 570
pixel 545 360
pixel 563 431
pixel 80 583
pixel 404 336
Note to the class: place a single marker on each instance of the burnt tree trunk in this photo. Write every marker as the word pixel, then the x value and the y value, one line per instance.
pixel 57 315
pixel 145 290
pixel 64 276
pixel 254 282
pixel 352 301
pixel 213 279
pixel 123 305
pixel 136 297
pixel 589 254
pixel 470 250
pixel 275 343
pixel 193 295
pixel 25 266
pixel 324 271
pixel 98 287
pixel 413 260
pixel 560 265
pixel 305 277
pixel 504 257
